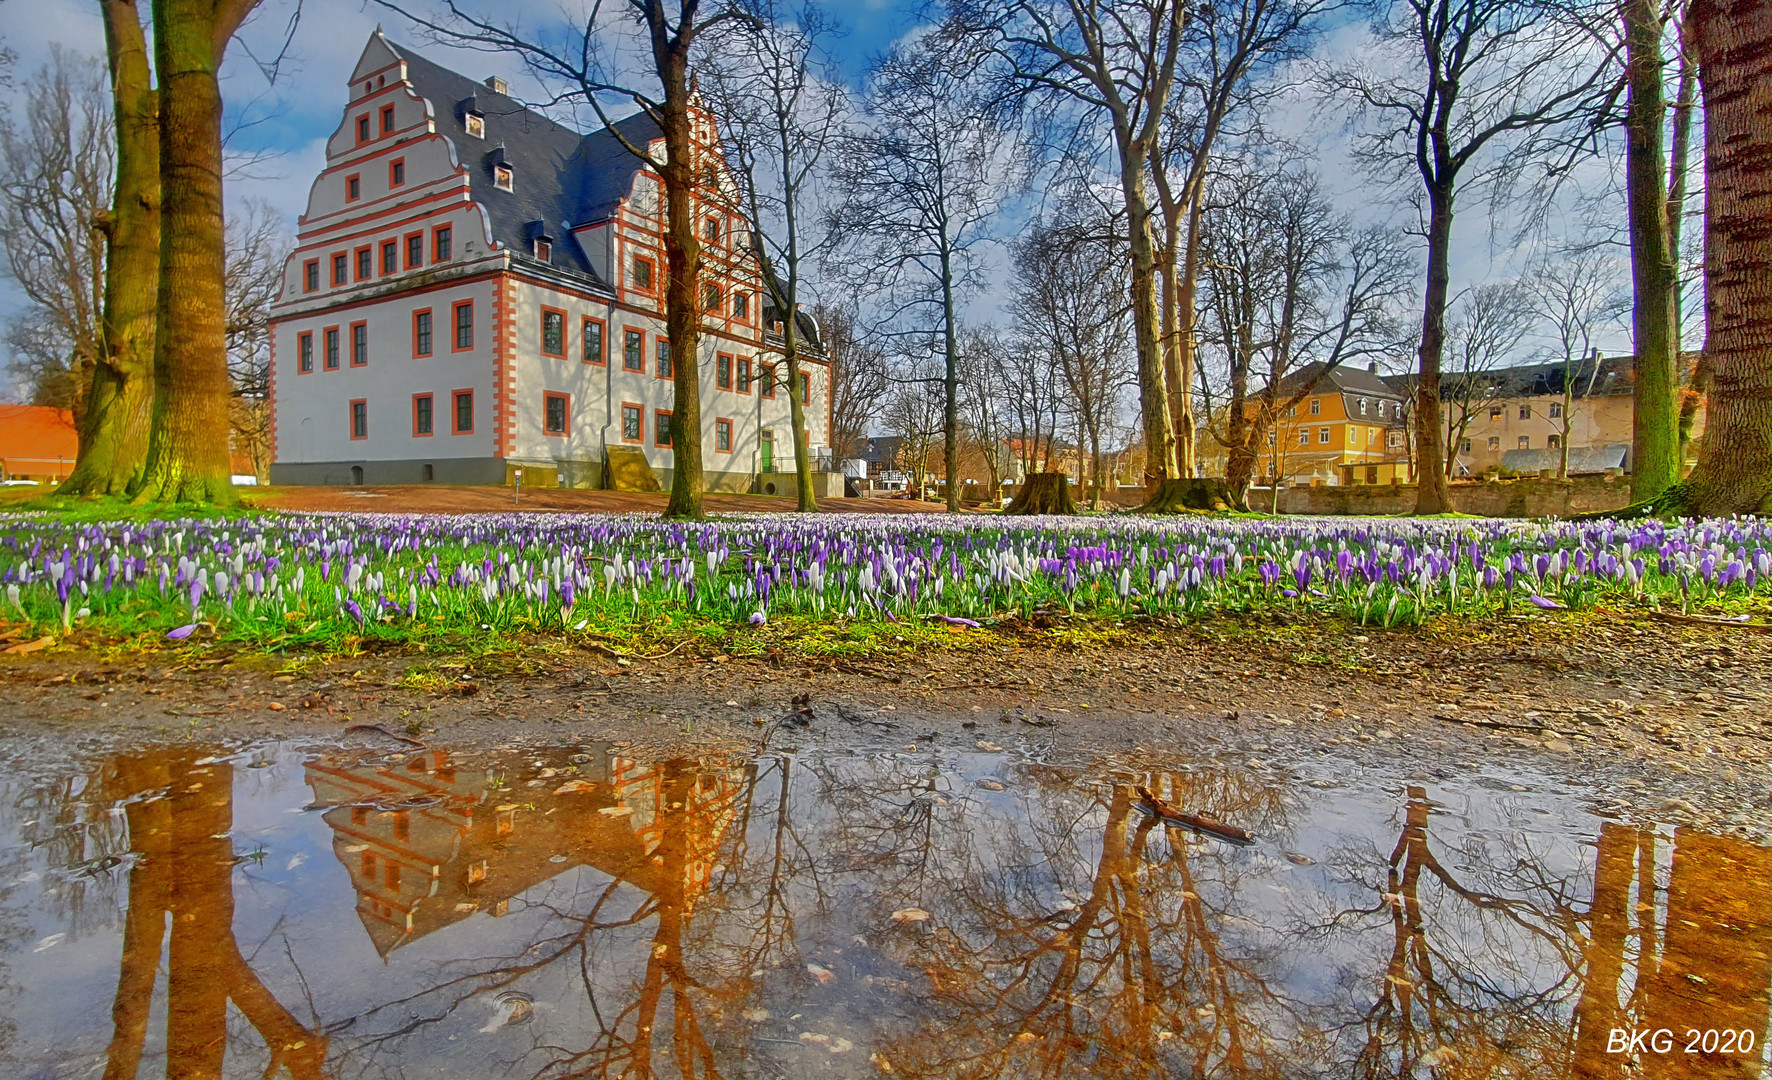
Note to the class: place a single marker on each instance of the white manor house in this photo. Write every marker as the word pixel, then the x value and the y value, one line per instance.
pixel 477 289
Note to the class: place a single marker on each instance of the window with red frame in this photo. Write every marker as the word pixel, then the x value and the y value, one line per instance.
pixel 341 266
pixel 464 325
pixel 633 424
pixel 304 353
pixel 396 172
pixel 661 428
pixel 422 420
pixel 310 275
pixel 553 333
pixel 662 349
pixel 359 419
pixel 591 340
pixel 723 371
pixel 421 333
pixel 805 388
pixel 364 265
pixel 331 360
pixel 387 119
pixel 353 188
pixel 463 419
pixel 723 436
pixel 556 414
pixel 363 128
pixel 359 344
pixel 768 380
pixel 390 257
pixel 440 244
pixel 415 251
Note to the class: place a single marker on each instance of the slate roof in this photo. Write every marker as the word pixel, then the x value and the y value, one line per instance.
pixel 562 178
pixel 1343 379
pixel 1612 376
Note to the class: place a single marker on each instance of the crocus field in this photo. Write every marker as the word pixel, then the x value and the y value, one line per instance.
pixel 295 580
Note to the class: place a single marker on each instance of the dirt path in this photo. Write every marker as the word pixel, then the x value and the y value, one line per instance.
pixel 1673 722
pixel 436 499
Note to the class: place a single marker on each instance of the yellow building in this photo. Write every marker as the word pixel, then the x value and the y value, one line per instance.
pixel 1348 429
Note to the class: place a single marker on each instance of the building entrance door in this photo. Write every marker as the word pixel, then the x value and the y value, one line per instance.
pixel 768 452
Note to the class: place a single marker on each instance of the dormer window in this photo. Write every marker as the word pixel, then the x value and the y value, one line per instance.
pixel 503 177
pixel 476 125
pixel 544 250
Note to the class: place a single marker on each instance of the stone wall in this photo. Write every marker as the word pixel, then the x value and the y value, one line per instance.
pixel 1485 498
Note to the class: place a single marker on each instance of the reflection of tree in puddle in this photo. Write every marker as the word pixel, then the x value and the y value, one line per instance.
pixel 1491 965
pixel 1072 935
pixel 184 874
pixel 623 920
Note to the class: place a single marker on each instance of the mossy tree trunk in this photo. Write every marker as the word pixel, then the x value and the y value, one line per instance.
pixel 1431 493
pixel 188 458
pixel 683 283
pixel 119 406
pixel 1194 493
pixel 1732 41
pixel 1043 493
pixel 1655 446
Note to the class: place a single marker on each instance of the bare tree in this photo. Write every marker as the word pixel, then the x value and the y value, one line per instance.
pixel 1070 294
pixel 982 413
pixel 922 175
pixel 777 120
pixel 1576 295
pixel 858 377
pixel 1488 324
pixel 1225 50
pixel 1291 284
pixel 1469 90
pixel 915 413
pixel 1116 61
pixel 56 162
pixel 258 245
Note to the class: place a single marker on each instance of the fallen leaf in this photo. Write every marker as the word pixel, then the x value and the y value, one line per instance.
pixel 575 787
pixel 990 785
pixel 616 811
pixel 31 646
pixel 910 914
pixel 823 974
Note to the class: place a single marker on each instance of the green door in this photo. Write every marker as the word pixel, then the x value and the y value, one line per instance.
pixel 768 464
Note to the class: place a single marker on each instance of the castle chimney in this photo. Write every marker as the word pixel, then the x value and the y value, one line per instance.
pixel 497 85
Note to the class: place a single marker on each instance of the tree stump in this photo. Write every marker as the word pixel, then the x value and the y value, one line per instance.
pixel 1043 493
pixel 1193 494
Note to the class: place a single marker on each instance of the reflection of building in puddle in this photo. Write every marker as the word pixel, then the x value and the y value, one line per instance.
pixel 428 844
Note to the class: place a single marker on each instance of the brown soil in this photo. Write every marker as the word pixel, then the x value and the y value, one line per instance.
pixel 435 499
pixel 1668 721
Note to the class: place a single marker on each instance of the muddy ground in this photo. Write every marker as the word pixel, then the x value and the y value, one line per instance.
pixel 1661 720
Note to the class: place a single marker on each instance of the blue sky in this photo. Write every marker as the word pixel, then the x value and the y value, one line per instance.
pixel 293 116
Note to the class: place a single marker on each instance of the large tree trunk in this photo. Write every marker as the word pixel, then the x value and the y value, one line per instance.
pixel 1431 495
pixel 1153 385
pixel 1043 493
pixel 188 446
pixel 682 285
pixel 1732 40
pixel 950 409
pixel 119 406
pixel 807 500
pixel 1655 450
pixel 1685 104
pixel 1193 493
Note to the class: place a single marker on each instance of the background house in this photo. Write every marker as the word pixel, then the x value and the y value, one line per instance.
pixel 37 443
pixel 1348 429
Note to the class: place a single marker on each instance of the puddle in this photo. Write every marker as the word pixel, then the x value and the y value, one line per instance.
pixel 574 912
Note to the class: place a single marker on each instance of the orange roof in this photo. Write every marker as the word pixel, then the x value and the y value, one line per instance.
pixel 37 438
